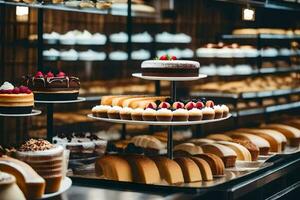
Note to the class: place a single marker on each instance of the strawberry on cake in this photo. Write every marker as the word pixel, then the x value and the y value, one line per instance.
pixel 50 87
pixel 15 100
pixel 169 66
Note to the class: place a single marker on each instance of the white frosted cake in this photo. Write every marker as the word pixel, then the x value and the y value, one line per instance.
pixel 170 67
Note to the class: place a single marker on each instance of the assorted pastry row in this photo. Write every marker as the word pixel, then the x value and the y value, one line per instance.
pixel 38 166
pixel 160 108
pixel 91 55
pixel 87 38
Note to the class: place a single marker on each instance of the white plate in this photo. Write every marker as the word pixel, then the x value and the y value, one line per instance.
pixel 79 99
pixel 160 78
pixel 157 123
pixel 64 186
pixel 33 113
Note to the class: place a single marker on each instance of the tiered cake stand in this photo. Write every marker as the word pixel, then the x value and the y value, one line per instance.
pixel 50 112
pixel 170 124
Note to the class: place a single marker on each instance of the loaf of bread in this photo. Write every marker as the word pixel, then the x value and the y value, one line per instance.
pixel 190 170
pixel 215 163
pixel 241 151
pixel 219 137
pixel 187 149
pixel 147 141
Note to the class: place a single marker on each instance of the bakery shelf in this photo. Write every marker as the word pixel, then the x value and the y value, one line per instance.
pixel 115 12
pixel 261 36
pixel 158 123
pixel 161 78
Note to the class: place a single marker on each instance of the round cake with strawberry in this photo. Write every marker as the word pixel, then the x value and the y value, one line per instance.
pixel 169 66
pixel 15 100
pixel 53 87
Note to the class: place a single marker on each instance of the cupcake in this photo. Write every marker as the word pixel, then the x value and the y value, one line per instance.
pixel 114 112
pixel 149 115
pixel 164 115
pixel 125 113
pixel 100 111
pixel 180 115
pixel 218 112
pixel 225 110
pixel 208 113
pixel 195 114
pixel 137 113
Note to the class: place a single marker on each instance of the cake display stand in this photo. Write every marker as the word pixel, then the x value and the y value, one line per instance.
pixel 170 124
pixel 33 113
pixel 50 112
pixel 66 183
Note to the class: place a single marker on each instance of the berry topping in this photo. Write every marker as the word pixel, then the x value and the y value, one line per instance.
pixel 210 103
pixel 200 105
pixel 39 74
pixel 152 105
pixel 16 90
pixel 50 75
pixel 173 58
pixel 28 91
pixel 61 74
pixel 164 57
pixel 23 89
pixel 164 105
pixel 190 105
pixel 8 91
pixel 2 91
pixel 203 100
pixel 177 105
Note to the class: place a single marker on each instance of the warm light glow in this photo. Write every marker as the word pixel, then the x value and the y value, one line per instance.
pixel 20 10
pixel 22 13
pixel 248 14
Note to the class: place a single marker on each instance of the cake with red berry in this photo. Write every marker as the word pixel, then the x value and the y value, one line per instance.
pixel 50 87
pixel 15 100
pixel 169 66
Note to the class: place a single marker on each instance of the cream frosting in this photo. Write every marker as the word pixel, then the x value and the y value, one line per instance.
pixel 170 64
pixel 149 111
pixel 7 86
pixel 114 109
pixel 126 110
pixel 164 111
pixel 101 108
pixel 53 151
pixel 180 111
pixel 195 111
pixel 137 111
pixel 218 108
pixel 208 110
pixel 225 108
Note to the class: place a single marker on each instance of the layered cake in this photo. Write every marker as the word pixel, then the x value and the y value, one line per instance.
pixel 82 145
pixel 46 159
pixel 167 66
pixel 15 100
pixel 31 184
pixel 50 87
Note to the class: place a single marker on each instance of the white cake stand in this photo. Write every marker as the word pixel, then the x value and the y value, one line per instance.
pixel 33 113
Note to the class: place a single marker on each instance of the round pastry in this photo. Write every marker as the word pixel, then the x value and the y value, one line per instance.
pixel 50 87
pixel 149 115
pixel 14 100
pixel 218 112
pixel 137 113
pixel 208 113
pixel 125 113
pixel 164 115
pixel 195 114
pixel 225 110
pixel 100 111
pixel 180 115
pixel 168 67
pixel 46 159
pixel 114 112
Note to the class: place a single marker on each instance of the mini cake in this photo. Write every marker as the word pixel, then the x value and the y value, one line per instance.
pixel 169 170
pixel 100 111
pixel 46 159
pixel 225 110
pixel 31 184
pixel 82 145
pixel 187 149
pixel 215 163
pixel 170 67
pixel 241 151
pixel 113 167
pixel 125 113
pixel 14 100
pixel 149 115
pixel 189 168
pixel 50 87
pixel 147 142
pixel 114 112
pixel 137 114
pixel 180 115
pixel 208 113
pixel 252 148
pixel 219 137
pixel 204 167
pixel 195 114
pixel 164 114
pixel 218 112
